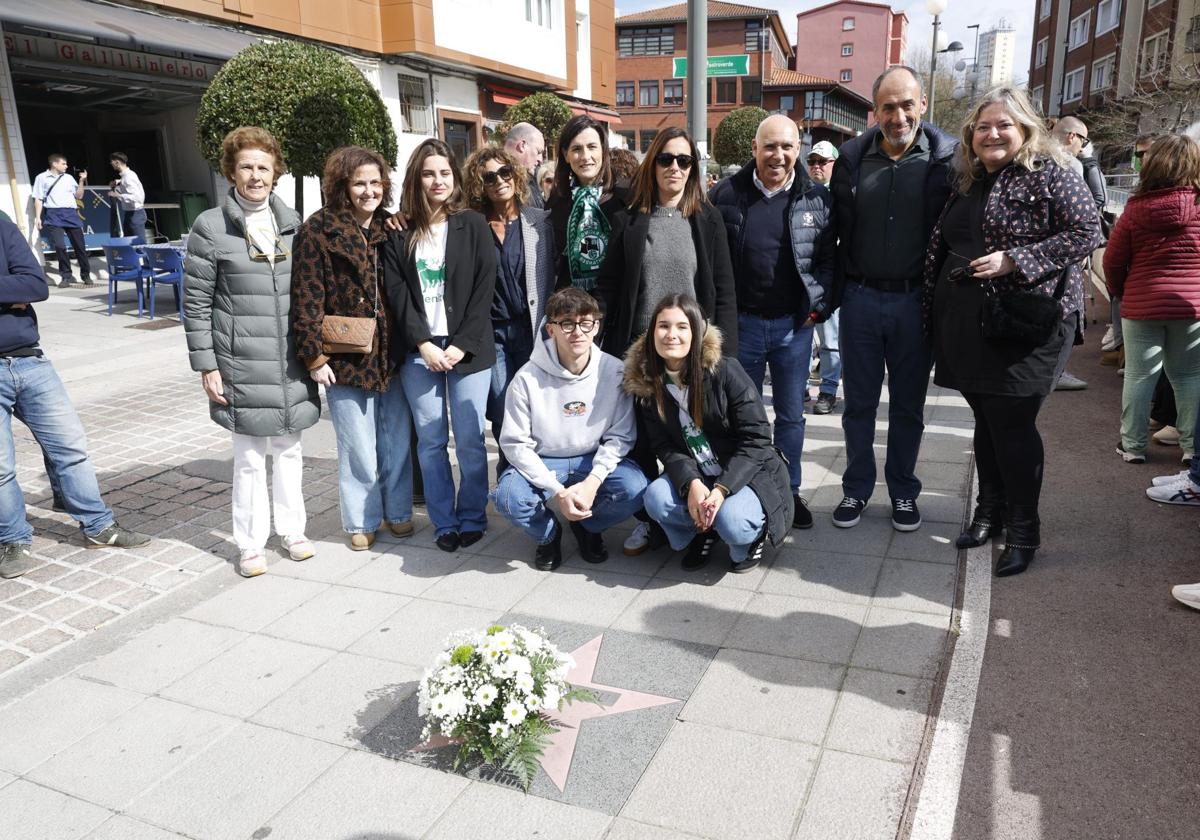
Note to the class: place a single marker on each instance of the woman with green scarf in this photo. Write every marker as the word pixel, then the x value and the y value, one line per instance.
pixel 582 202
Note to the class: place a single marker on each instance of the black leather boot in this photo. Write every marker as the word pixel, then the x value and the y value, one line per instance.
pixel 987 521
pixel 1022 542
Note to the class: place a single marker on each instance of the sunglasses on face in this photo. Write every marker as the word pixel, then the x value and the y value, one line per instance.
pixel 1138 154
pixel 490 179
pixel 664 159
pixel 819 161
pixel 585 326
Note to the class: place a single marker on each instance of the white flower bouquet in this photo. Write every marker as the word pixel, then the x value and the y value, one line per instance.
pixel 492 691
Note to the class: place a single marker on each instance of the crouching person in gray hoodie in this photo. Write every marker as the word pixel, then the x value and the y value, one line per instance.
pixel 568 426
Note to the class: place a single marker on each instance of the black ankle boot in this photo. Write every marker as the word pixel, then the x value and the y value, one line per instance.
pixel 1022 541
pixel 987 521
pixel 979 532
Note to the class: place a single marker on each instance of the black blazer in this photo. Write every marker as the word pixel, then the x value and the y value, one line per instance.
pixel 470 286
pixel 559 208
pixel 620 276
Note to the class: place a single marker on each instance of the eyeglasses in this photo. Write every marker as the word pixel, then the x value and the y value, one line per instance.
pixel 1138 154
pixel 665 159
pixel 568 327
pixel 815 161
pixel 490 179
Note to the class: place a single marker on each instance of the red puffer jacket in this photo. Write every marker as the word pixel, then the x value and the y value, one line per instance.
pixel 1153 258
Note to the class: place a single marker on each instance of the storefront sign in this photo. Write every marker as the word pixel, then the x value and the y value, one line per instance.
pixel 718 65
pixel 81 54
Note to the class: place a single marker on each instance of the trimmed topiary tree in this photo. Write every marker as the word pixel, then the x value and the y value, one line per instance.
pixel 731 142
pixel 312 99
pixel 542 109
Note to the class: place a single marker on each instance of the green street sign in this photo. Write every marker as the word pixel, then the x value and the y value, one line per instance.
pixel 718 65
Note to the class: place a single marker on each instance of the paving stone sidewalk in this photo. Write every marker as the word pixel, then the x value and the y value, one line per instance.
pixel 207 706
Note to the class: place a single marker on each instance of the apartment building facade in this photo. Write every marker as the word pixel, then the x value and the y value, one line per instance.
pixel 850 41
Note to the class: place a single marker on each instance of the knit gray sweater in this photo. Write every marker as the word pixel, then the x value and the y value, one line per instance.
pixel 668 263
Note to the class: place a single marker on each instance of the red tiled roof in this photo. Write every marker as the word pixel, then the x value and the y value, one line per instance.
pixel 716 11
pixel 793 79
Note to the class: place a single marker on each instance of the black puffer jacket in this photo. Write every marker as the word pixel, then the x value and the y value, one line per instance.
pixel 735 423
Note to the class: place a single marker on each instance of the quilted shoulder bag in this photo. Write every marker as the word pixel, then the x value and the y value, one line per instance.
pixel 350 334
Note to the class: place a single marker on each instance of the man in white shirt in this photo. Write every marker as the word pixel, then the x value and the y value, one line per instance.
pixel 130 196
pixel 54 196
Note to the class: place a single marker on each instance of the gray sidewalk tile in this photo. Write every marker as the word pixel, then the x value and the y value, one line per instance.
pixel 946 443
pixel 487 582
pixel 407 570
pixel 799 627
pixel 235 786
pixel 363 796
pixel 336 617
pixel 869 538
pixel 248 676
pixel 489 812
pixel 934 543
pixel 254 603
pixel 902 642
pixel 712 782
pixel 829 577
pixel 417 632
pixel 951 478
pixel 766 695
pixel 146 743
pixel 32 812
pixel 342 700
pixel 626 829
pixel 716 573
pixel 5 778
pixel 881 715
pixel 917 587
pixel 588 596
pixel 126 828
pixel 645 564
pixel 855 796
pixel 686 611
pixel 55 716
pixel 161 655
pixel 333 562
pixel 938 506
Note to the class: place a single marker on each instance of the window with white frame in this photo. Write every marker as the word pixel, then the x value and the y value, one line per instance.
pixel 538 11
pixel 1154 3
pixel 1108 15
pixel 1037 94
pixel 414 105
pixel 1080 28
pixel 847 50
pixel 1039 55
pixel 1155 54
pixel 1044 9
pixel 847 24
pixel 847 76
pixel 1073 85
pixel 1102 72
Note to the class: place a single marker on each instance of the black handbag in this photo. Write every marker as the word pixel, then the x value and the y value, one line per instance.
pixel 1020 316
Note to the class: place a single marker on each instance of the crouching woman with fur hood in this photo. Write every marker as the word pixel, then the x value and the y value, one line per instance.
pixel 706 422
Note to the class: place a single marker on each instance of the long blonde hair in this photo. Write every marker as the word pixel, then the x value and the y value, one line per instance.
pixel 1036 147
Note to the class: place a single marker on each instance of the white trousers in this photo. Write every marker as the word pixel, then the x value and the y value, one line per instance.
pixel 251 503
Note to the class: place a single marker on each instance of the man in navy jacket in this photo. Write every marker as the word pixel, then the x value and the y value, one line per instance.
pixel 31 391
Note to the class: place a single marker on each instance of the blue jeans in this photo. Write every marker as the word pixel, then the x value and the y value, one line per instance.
pixel 514 346
pixel 427 394
pixel 881 329
pixel 31 391
pixel 830 354
pixel 524 505
pixel 374 432
pixel 787 347
pixel 739 521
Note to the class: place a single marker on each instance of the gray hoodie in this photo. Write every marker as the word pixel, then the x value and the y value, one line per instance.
pixel 550 412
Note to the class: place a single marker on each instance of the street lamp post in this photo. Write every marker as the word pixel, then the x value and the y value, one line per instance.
pixel 935 8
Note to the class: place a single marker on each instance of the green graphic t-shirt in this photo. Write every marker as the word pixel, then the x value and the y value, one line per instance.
pixel 431 269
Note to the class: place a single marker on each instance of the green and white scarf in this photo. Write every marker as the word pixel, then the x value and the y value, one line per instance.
pixel 587 237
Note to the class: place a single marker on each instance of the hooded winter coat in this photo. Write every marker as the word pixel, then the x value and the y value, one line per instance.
pixel 1153 258
pixel 553 413
pixel 237 316
pixel 735 423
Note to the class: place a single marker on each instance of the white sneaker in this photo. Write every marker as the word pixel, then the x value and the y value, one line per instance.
pixel 1159 481
pixel 1187 593
pixel 1182 492
pixel 1109 342
pixel 252 562
pixel 299 547
pixel 1167 436
pixel 638 541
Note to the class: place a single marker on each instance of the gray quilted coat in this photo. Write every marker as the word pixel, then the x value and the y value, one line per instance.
pixel 237 315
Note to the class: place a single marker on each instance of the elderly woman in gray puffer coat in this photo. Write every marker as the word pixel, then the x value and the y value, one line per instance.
pixel 237 316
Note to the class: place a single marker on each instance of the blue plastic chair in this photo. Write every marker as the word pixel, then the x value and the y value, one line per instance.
pixel 166 267
pixel 125 264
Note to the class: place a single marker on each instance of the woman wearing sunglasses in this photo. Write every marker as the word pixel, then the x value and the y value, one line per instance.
pixel 669 241
pixel 498 188
pixel 237 315
pixel 440 275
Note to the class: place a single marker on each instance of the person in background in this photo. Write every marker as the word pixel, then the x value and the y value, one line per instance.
pixel 544 181
pixel 705 419
pixel 820 169
pixel 338 271
pixel 54 195
pixel 624 165
pixel 130 196
pixel 781 242
pixel 568 426
pixel 1150 263
pixel 994 242
pixel 237 314
pixel 526 145
pixel 496 186
pixel 441 280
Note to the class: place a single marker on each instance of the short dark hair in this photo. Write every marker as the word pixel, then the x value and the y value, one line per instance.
pixel 57 156
pixel 339 170
pixel 571 303
pixel 562 171
pixel 119 156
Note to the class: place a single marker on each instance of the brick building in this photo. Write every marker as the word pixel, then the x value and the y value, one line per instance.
pixel 824 108
pixel 850 41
